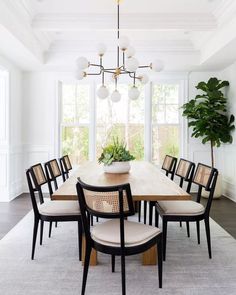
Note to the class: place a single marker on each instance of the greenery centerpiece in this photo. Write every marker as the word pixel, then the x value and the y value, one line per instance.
pixel 116 157
pixel 207 115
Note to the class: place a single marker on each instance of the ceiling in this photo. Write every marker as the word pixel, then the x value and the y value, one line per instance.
pixel 183 33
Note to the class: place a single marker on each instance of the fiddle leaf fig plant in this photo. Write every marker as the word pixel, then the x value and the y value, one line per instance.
pixel 207 115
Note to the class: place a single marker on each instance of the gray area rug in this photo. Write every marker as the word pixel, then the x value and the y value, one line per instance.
pixel 56 269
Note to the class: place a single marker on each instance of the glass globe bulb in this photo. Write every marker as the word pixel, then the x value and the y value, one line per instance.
pixel 132 64
pixel 144 79
pixel 157 65
pixel 101 49
pixel 79 75
pixel 82 63
pixel 102 92
pixel 115 96
pixel 130 51
pixel 134 93
pixel 123 42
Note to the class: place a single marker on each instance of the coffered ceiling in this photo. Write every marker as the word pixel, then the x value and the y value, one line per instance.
pixel 186 34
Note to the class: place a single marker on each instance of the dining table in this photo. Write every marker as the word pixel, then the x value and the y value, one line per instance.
pixel 147 182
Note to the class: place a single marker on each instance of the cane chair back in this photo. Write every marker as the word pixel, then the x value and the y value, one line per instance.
pixel 169 165
pixel 52 173
pixel 206 177
pixel 66 166
pixel 36 179
pixel 105 202
pixel 185 170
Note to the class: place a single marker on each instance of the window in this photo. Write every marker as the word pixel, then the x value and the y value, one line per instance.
pixel 87 122
pixel 75 122
pixel 165 121
pixel 124 119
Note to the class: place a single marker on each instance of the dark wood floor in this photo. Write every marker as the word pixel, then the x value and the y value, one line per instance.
pixel 223 211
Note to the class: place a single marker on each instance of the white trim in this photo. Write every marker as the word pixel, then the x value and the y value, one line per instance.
pixel 148 123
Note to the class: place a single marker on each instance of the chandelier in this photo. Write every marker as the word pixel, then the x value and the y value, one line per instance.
pixel 126 64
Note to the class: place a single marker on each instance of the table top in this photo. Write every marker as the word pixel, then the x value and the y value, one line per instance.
pixel 146 180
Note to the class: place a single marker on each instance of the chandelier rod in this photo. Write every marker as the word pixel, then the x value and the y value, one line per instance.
pixel 118 33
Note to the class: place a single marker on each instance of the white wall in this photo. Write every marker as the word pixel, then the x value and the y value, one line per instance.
pixel 12 150
pixel 227 153
pixel 40 108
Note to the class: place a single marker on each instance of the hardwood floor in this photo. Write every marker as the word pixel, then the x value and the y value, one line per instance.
pixel 223 211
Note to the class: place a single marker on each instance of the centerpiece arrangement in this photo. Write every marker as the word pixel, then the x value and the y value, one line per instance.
pixel 116 157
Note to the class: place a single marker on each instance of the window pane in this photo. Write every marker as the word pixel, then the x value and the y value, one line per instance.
pixel 165 140
pixel 172 114
pixel 75 143
pixel 75 103
pixel 124 119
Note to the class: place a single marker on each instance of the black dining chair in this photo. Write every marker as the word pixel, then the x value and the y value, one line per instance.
pixel 185 172
pixel 190 211
pixel 50 211
pixel 117 236
pixel 169 166
pixel 52 172
pixel 65 165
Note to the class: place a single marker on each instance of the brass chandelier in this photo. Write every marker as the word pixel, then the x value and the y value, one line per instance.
pixel 126 64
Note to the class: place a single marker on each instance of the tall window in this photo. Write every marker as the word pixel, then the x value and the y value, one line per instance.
pixel 124 119
pixel 75 121
pixel 165 121
pixel 87 122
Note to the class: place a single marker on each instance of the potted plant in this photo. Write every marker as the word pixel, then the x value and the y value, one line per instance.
pixel 208 117
pixel 116 157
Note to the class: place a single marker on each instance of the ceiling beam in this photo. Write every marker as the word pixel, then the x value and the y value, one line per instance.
pixel 107 22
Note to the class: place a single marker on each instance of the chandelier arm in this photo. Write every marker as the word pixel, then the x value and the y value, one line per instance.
pixel 143 67
pixel 96 65
pixel 93 74
pixel 123 60
pixel 110 72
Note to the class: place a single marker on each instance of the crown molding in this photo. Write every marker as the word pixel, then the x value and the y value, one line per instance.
pixel 162 22
pixel 141 46
pixel 225 12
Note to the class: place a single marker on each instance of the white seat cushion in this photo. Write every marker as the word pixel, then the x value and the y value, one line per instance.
pixel 186 208
pixel 59 208
pixel 108 233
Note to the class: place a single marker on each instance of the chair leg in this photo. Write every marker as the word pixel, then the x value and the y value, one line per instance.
pixel 80 233
pixel 188 231
pixel 86 267
pixel 164 230
pixel 198 231
pixel 139 210
pixel 41 232
pixel 91 216
pixel 208 235
pixel 36 223
pixel 156 218
pixel 97 219
pixel 56 224
pixel 150 212
pixel 113 263
pixel 145 212
pixel 180 223
pixel 160 261
pixel 50 229
pixel 123 274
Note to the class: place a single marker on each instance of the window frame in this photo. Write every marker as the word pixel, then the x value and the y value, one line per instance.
pixel 181 80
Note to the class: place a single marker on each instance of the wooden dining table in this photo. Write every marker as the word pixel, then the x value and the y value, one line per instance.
pixel 147 182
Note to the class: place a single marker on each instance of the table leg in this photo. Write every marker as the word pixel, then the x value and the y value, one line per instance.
pixel 149 257
pixel 93 257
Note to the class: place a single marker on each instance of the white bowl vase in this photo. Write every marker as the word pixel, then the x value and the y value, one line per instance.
pixel 117 167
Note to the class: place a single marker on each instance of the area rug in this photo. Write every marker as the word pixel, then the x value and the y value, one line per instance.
pixel 57 270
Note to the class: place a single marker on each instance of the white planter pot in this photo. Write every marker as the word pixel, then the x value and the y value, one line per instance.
pixel 218 189
pixel 117 167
